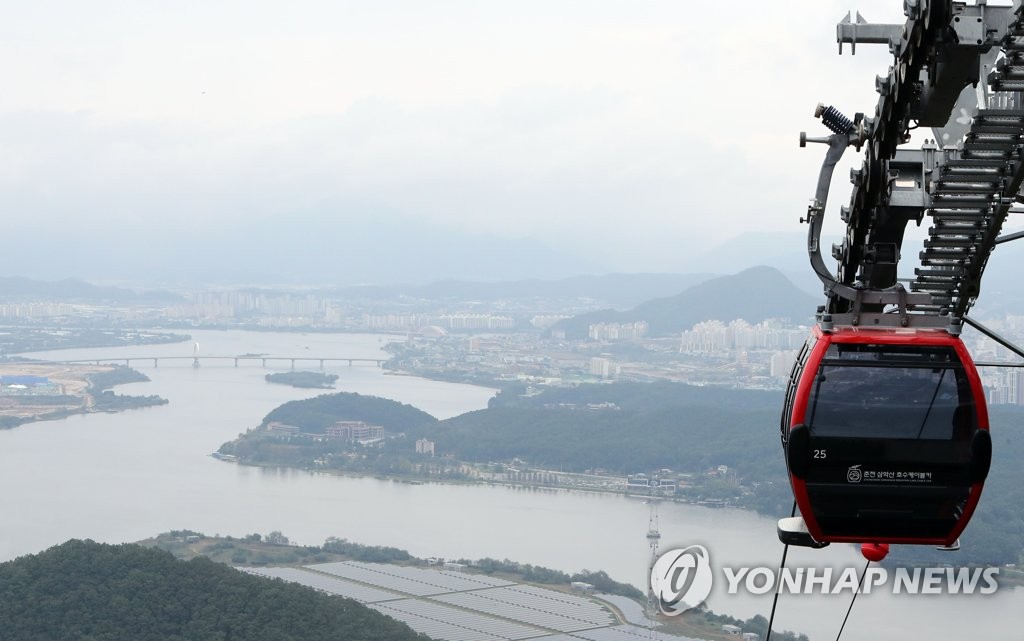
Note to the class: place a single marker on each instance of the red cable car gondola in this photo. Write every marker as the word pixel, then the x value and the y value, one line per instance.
pixel 886 436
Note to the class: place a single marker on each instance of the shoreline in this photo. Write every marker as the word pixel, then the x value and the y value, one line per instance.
pixel 413 479
pixel 1008 577
pixel 37 391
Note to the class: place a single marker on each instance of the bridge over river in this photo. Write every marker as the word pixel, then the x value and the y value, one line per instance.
pixel 197 360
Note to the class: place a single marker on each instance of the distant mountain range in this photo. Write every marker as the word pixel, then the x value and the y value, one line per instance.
pixel 753 295
pixel 785 251
pixel 337 245
pixel 619 291
pixel 616 290
pixel 1001 292
pixel 18 289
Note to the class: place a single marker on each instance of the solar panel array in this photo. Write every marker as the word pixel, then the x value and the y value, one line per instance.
pixel 414 581
pixel 554 614
pixel 614 633
pixel 453 606
pixel 622 633
pixel 470 624
pixel 437 629
pixel 330 585
pixel 567 604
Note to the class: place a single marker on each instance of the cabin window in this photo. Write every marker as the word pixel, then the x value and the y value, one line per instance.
pixel 892 392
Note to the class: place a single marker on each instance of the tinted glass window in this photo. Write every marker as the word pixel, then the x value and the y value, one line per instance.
pixel 878 391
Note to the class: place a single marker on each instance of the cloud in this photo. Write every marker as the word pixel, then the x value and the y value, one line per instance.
pixel 625 133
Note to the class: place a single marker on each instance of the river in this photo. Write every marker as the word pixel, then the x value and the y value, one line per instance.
pixel 127 476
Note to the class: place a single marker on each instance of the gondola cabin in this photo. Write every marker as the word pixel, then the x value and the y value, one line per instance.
pixel 886 436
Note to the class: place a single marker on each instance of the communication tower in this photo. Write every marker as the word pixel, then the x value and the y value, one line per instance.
pixel 653 539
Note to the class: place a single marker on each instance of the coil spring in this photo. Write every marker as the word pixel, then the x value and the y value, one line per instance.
pixel 836 121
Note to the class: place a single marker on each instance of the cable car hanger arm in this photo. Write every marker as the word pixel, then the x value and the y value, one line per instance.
pixel 837 144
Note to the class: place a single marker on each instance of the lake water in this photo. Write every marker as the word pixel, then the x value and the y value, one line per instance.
pixel 127 476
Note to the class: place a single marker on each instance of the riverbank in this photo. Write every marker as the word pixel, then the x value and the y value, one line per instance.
pixel 569 482
pixel 20 339
pixel 32 392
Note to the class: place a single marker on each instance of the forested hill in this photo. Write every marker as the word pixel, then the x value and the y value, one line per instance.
pixel 315 414
pixel 83 590
pixel 753 295
pixel 689 428
pixel 623 428
pixel 16 288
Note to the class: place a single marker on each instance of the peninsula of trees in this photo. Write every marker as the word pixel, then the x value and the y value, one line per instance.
pixel 614 429
pixel 105 400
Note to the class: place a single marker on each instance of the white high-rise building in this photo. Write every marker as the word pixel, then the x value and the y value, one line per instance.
pixel 602 367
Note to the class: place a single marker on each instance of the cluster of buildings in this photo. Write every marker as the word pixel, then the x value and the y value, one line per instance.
pixel 396 322
pixel 249 303
pixel 351 431
pixel 617 331
pixel 602 367
pixel 590 407
pixel 36 311
pixel 487 322
pixel 737 353
pixel 29 386
pixel 1003 386
pixel 513 339
pixel 356 431
pixel 446 322
pixel 660 483
pixel 425 447
pixel 263 309
pixel 384 309
pixel 710 337
pixel 534 477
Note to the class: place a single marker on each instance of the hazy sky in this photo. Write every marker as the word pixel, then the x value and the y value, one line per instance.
pixel 631 134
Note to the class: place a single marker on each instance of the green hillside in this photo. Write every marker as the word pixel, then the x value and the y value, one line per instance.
pixel 86 591
pixel 315 414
